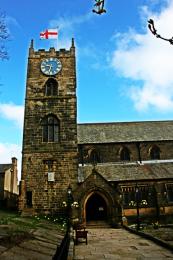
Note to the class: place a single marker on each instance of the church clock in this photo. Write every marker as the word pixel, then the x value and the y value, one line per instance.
pixel 51 66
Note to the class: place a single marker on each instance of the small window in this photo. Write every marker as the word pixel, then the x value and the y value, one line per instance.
pixel 169 188
pixel 154 153
pixel 129 199
pixel 133 195
pixel 94 157
pixel 51 87
pixel 29 199
pixel 126 199
pixel 124 154
pixel 50 126
pixel 49 165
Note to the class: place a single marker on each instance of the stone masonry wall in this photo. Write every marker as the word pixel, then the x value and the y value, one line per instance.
pixel 111 152
pixel 47 195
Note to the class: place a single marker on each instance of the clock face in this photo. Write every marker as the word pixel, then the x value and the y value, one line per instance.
pixel 51 66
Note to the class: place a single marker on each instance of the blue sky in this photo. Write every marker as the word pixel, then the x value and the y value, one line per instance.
pixel 123 72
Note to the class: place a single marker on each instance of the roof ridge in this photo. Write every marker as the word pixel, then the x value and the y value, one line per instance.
pixel 126 122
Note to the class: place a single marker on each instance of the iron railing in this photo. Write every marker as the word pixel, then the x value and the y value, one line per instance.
pixel 63 248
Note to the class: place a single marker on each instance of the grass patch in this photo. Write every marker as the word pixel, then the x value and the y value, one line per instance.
pixel 13 218
pixel 14 229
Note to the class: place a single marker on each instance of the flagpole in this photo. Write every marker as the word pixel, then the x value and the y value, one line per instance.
pixel 57 38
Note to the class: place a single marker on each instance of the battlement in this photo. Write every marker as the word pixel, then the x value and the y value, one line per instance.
pixel 55 53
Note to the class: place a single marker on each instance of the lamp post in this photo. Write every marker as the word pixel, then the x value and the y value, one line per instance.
pixel 69 205
pixel 156 203
pixel 137 207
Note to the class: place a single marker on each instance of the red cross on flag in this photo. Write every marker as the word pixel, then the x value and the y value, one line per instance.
pixel 49 34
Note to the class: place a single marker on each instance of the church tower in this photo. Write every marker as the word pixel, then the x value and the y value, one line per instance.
pixel 49 156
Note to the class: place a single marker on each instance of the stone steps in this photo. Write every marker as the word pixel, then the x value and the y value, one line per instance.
pixel 97 224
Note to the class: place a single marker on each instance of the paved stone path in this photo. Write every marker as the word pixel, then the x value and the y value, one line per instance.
pixel 112 244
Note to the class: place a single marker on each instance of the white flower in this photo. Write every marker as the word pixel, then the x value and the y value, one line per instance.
pixel 132 203
pixel 144 202
pixel 75 204
pixel 64 204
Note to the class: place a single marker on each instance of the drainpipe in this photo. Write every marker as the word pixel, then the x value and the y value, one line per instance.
pixel 81 154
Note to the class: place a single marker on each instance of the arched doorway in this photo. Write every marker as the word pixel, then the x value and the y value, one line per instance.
pixel 96 208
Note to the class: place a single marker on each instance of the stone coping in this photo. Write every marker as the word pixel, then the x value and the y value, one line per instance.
pixel 150 237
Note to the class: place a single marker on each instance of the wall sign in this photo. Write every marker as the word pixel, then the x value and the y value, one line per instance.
pixel 51 176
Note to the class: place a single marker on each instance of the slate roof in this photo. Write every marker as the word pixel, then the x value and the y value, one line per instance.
pixel 4 167
pixel 129 172
pixel 125 132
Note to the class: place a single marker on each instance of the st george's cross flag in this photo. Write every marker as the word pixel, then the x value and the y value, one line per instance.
pixel 49 34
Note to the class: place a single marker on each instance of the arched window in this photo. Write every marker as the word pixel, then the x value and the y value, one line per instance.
pixel 94 156
pixel 50 129
pixel 51 87
pixel 124 154
pixel 154 153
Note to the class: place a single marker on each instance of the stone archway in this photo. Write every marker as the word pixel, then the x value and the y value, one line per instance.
pixel 98 200
pixel 96 207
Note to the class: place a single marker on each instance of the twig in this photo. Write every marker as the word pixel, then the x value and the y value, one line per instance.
pixel 154 32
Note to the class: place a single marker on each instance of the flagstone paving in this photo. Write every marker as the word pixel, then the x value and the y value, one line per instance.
pixel 112 244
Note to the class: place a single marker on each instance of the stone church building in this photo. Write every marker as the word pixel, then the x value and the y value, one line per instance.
pixel 9 184
pixel 113 169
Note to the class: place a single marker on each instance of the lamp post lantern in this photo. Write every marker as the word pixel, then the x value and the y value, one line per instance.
pixel 69 191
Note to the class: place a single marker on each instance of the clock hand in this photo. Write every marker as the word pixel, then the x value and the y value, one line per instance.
pixel 50 68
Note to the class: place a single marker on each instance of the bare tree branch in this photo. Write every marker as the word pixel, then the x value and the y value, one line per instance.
pixel 4 36
pixel 154 32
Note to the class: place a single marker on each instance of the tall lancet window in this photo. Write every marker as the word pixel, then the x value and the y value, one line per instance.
pixel 94 157
pixel 154 153
pixel 125 154
pixel 51 127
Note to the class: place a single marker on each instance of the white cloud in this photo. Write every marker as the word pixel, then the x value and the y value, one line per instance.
pixel 12 21
pixel 13 112
pixel 148 61
pixel 68 23
pixel 96 57
pixel 7 151
pixel 67 27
